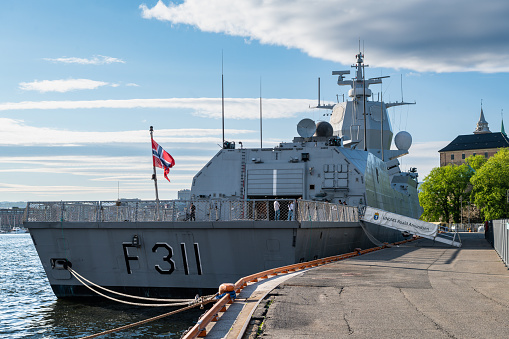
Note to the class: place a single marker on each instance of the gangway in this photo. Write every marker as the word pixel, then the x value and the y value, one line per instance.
pixel 407 224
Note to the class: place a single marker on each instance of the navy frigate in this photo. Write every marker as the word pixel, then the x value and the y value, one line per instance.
pixel 249 209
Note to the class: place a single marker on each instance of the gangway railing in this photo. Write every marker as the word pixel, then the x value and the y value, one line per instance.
pixel 406 224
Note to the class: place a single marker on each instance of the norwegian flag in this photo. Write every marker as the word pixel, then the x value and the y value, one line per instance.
pixel 162 159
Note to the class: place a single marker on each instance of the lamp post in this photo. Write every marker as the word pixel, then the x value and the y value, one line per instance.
pixel 461 211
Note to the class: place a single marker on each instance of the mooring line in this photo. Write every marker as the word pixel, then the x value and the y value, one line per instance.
pixel 78 277
pixel 194 301
pixel 204 302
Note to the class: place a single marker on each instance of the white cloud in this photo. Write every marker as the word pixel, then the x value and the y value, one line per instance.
pixel 95 60
pixel 61 86
pixel 17 133
pixel 424 156
pixel 422 35
pixel 235 108
pixel 94 177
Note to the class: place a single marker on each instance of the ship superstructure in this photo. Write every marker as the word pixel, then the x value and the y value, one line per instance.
pixel 328 162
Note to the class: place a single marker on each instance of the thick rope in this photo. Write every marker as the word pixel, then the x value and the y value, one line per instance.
pixel 204 302
pixel 370 236
pixel 193 301
pixel 76 275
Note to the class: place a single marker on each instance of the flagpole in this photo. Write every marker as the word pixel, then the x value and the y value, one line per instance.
pixel 154 176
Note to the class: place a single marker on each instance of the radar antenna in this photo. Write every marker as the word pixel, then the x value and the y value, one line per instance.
pixel 306 128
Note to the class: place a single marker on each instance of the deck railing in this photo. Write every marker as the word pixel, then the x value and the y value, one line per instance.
pixel 188 211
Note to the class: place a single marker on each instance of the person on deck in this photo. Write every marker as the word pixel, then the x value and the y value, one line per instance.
pixel 290 210
pixel 276 210
pixel 193 212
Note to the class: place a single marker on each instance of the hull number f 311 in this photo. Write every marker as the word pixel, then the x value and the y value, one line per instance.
pixel 167 251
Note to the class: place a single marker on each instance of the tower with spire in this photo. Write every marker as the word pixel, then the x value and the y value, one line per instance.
pixel 502 129
pixel 482 125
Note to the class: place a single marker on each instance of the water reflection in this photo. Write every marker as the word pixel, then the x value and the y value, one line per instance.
pixel 29 309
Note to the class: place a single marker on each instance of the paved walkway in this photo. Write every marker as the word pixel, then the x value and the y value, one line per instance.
pixel 416 290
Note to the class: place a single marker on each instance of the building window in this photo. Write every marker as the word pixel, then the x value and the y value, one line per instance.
pixel 485 154
pixel 452 156
pixel 463 156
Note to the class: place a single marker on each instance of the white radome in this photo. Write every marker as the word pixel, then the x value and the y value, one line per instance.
pixel 403 140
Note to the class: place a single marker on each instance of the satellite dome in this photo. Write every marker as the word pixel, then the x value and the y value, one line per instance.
pixel 403 140
pixel 306 128
pixel 324 129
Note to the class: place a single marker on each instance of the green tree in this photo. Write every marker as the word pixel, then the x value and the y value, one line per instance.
pixel 476 161
pixel 490 185
pixel 442 190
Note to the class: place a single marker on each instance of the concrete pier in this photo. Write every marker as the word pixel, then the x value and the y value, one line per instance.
pixel 416 290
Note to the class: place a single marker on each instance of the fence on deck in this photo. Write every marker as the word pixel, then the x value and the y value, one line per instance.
pixel 196 210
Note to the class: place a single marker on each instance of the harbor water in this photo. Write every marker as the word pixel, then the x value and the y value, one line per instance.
pixel 29 309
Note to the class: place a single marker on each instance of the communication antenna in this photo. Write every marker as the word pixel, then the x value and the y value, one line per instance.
pixel 402 88
pixel 261 145
pixel 364 102
pixel 382 124
pixel 318 91
pixel 222 95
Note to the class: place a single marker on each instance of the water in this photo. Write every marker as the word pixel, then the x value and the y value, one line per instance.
pixel 29 309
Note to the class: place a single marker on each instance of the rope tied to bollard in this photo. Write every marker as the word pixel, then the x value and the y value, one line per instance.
pixel 169 302
pixel 188 303
pixel 201 304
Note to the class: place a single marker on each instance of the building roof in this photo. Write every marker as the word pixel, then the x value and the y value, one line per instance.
pixel 477 141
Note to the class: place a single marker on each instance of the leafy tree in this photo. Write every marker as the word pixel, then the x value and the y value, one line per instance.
pixel 476 161
pixel 490 185
pixel 442 191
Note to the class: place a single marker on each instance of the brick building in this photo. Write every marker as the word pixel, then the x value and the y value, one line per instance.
pixel 11 217
pixel 481 142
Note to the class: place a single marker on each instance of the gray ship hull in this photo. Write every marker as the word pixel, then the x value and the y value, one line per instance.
pixel 182 259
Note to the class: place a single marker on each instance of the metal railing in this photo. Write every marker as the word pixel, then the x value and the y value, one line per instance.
pixel 196 210
pixel 498 236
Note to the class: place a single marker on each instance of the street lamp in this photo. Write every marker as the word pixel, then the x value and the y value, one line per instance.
pixel 461 211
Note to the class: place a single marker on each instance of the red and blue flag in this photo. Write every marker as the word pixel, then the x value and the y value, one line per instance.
pixel 162 159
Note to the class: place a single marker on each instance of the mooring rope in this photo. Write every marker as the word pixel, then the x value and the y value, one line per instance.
pixel 174 302
pixel 203 302
pixel 370 236
pixel 78 277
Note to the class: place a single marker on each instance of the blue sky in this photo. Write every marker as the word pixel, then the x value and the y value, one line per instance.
pixel 82 81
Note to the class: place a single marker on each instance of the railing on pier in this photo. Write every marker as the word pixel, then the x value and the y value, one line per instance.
pixel 497 234
pixel 196 210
